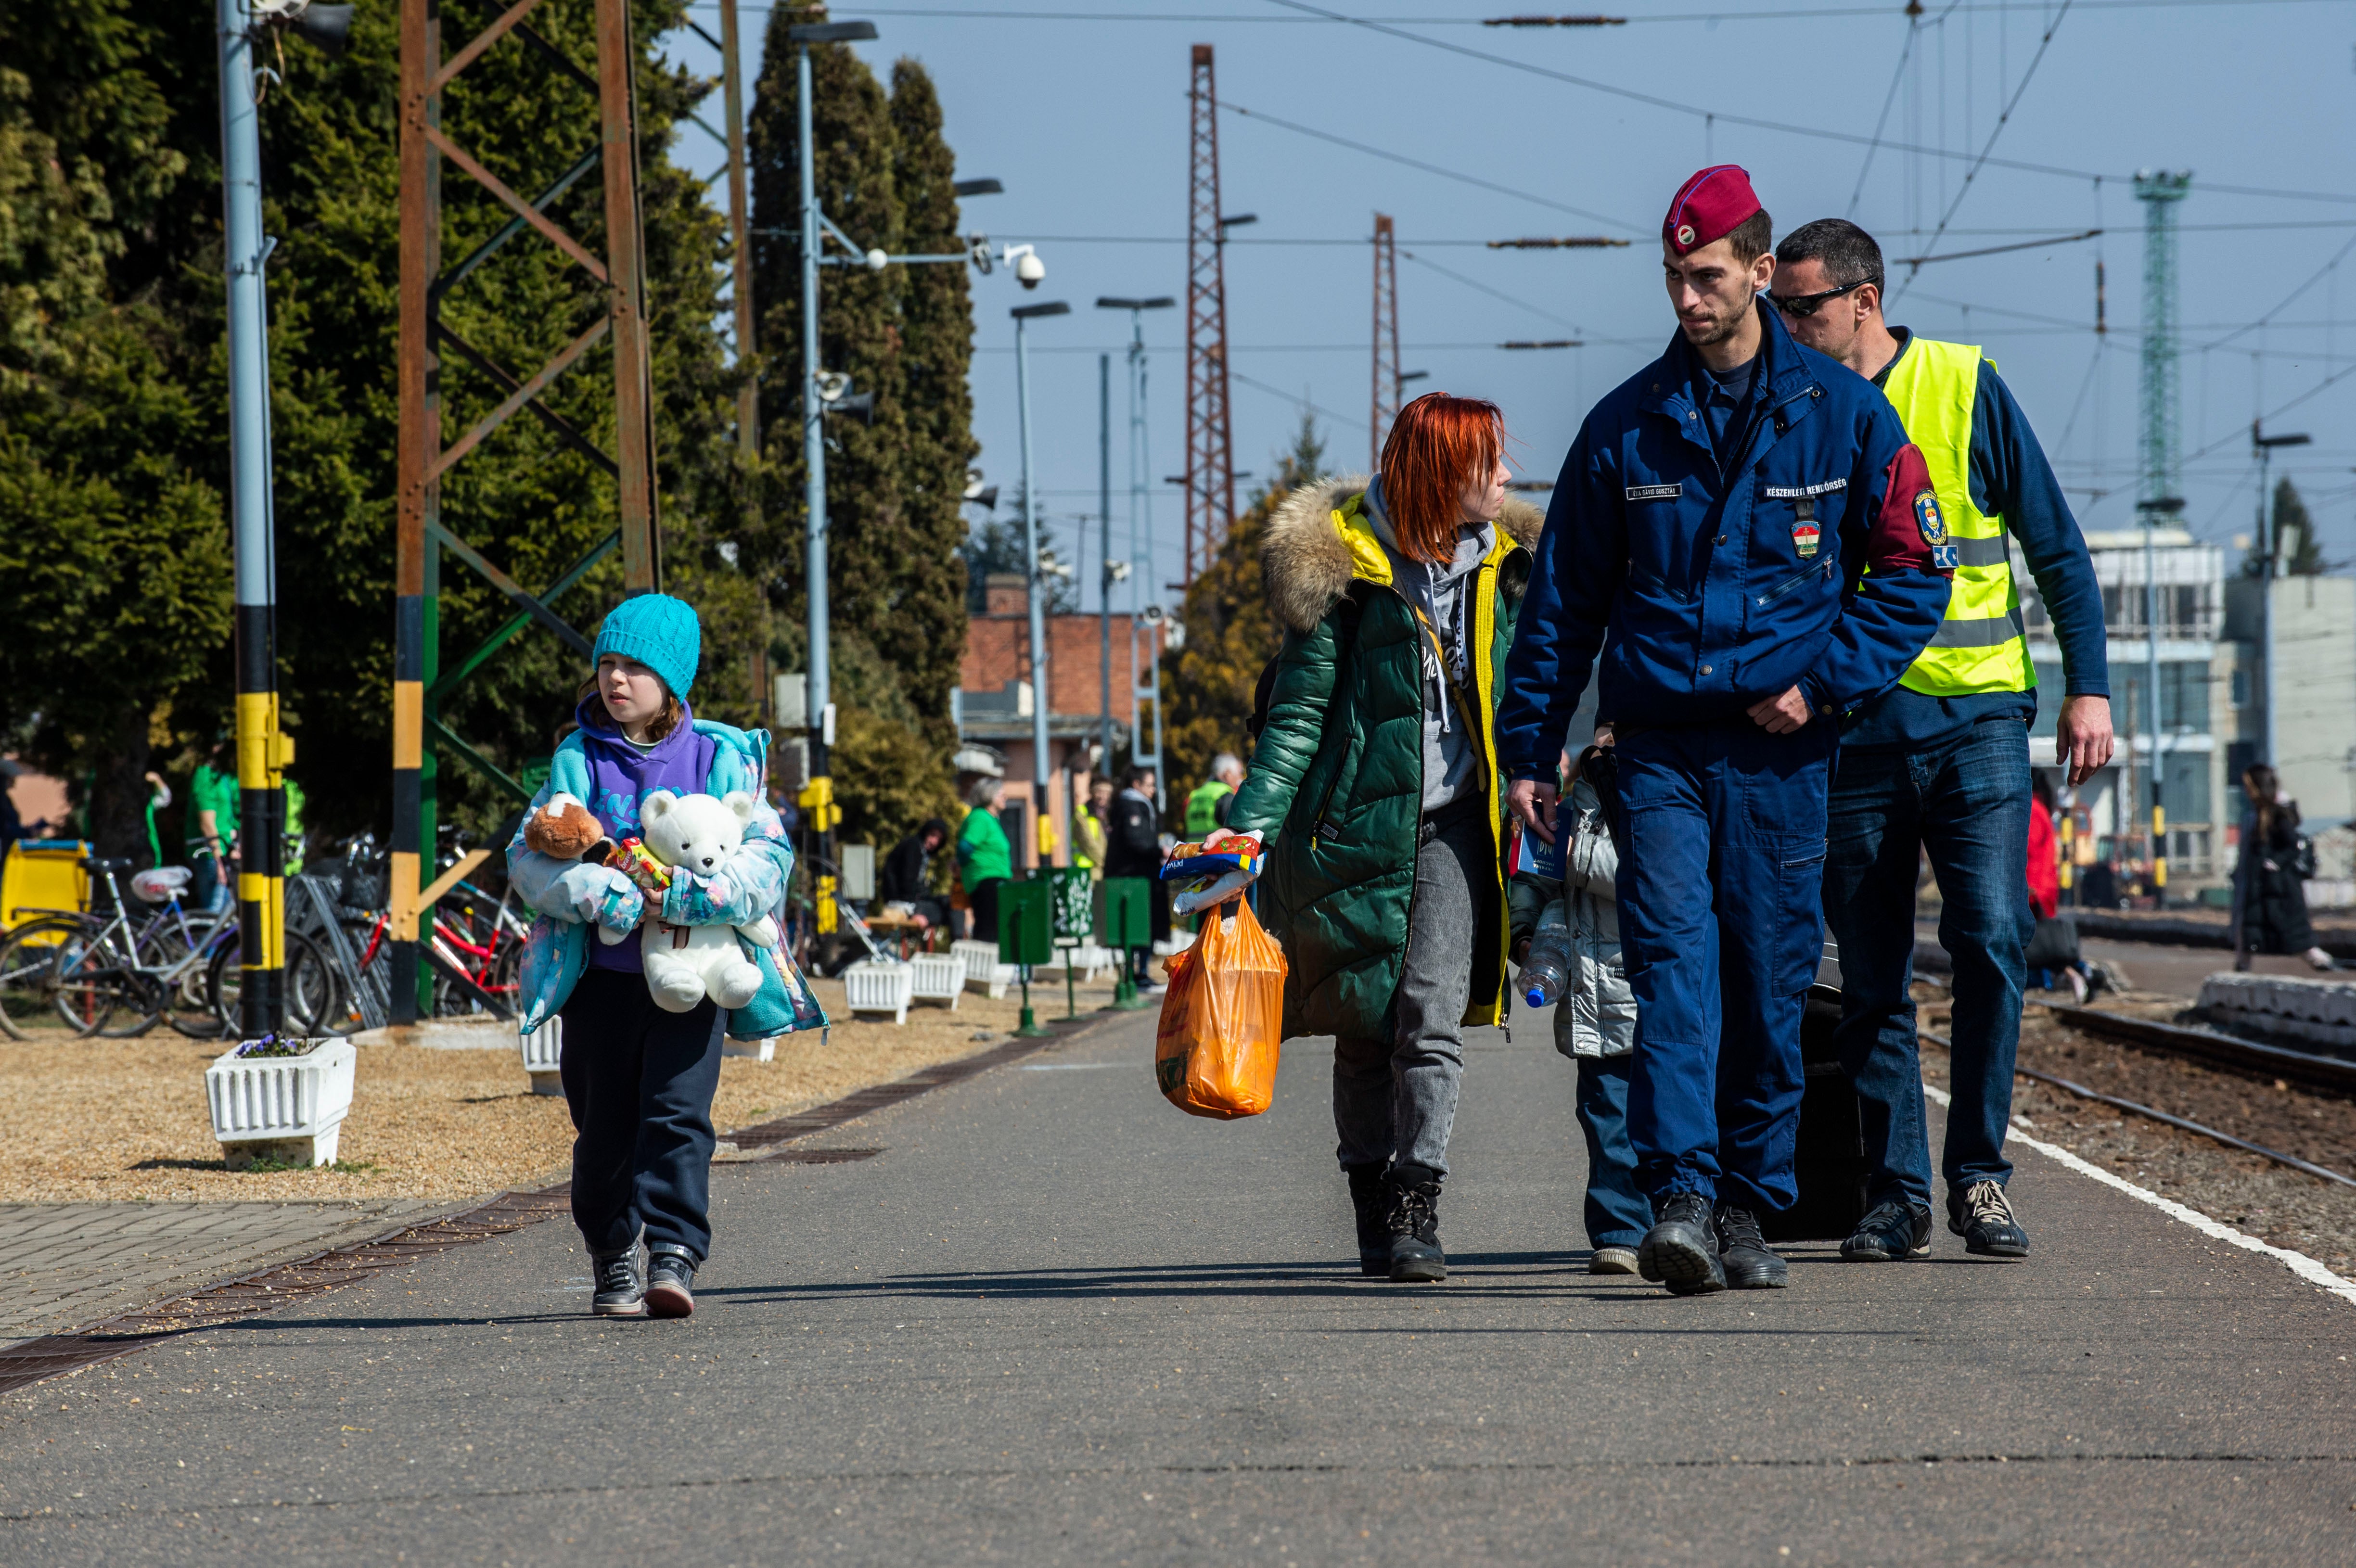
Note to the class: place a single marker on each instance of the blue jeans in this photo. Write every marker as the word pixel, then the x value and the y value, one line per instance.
pixel 1722 928
pixel 1968 803
pixel 1618 1212
pixel 639 1082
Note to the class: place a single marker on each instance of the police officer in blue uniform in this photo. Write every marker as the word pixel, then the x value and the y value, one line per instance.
pixel 1747 537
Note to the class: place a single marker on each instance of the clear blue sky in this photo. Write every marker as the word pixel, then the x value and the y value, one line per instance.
pixel 1079 107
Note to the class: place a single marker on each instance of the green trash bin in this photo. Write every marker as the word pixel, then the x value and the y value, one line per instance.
pixel 1124 923
pixel 1026 935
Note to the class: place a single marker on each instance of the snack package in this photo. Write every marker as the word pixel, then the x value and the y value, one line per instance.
pixel 1222 1027
pixel 1190 862
pixel 636 862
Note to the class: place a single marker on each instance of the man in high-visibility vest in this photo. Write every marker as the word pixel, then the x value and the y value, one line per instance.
pixel 1205 808
pixel 1942 759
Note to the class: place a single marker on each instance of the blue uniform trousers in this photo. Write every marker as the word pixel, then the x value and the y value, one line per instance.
pixel 1721 924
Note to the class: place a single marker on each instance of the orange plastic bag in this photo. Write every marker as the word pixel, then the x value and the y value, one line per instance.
pixel 1223 1020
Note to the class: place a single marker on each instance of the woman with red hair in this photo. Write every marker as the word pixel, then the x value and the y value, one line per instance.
pixel 1376 785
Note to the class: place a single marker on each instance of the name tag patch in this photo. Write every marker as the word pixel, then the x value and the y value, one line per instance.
pixel 1655 491
pixel 1794 492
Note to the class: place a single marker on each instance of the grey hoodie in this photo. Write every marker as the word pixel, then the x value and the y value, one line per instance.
pixel 1451 759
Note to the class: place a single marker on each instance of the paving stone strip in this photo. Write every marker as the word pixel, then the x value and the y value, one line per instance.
pixel 111 1228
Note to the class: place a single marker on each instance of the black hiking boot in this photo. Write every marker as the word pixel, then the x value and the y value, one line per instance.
pixel 1982 1215
pixel 1750 1262
pixel 1370 1196
pixel 1414 1226
pixel 670 1283
pixel 1681 1248
pixel 1894 1230
pixel 621 1282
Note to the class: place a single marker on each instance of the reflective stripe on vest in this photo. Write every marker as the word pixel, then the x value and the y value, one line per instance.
pixel 1979 646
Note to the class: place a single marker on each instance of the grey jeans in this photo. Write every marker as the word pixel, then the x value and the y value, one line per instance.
pixel 1395 1097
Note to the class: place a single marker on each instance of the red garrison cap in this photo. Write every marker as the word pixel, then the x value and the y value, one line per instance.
pixel 1708 206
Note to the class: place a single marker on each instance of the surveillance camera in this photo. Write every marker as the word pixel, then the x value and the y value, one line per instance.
pixel 1028 271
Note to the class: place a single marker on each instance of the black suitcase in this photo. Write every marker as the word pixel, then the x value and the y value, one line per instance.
pixel 1830 1160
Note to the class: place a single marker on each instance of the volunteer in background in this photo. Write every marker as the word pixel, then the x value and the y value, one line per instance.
pixel 1941 760
pixel 1206 808
pixel 985 859
pixel 1745 532
pixel 1375 786
pixel 1133 849
pixel 214 802
pixel 1088 844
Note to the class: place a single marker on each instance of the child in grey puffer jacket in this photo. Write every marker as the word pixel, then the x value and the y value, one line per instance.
pixel 1595 1022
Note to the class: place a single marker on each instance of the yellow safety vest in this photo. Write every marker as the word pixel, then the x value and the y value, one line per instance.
pixel 1980 645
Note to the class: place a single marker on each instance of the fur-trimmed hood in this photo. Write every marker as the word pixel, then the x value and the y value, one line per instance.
pixel 1307 564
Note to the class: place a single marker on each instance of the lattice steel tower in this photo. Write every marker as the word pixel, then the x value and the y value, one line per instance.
pixel 2160 447
pixel 1386 344
pixel 1210 439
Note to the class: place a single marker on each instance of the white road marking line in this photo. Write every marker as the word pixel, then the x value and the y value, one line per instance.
pixel 2300 1263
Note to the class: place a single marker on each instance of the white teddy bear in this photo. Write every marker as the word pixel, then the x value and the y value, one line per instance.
pixel 696 834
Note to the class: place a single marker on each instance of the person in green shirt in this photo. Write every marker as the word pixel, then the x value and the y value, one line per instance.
pixel 985 859
pixel 213 802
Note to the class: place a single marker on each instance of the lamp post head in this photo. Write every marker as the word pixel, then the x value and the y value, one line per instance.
pixel 978 187
pixel 831 32
pixel 1032 312
pixel 1159 301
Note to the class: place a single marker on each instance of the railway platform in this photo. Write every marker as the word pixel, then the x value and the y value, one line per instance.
pixel 1053 1320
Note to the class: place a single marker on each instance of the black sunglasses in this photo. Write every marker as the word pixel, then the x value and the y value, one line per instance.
pixel 1805 306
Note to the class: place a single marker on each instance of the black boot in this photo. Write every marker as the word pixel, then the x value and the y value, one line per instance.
pixel 1370 1196
pixel 1750 1262
pixel 1681 1248
pixel 1414 1225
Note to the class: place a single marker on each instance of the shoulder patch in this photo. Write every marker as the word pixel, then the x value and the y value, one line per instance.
pixel 1655 491
pixel 1929 518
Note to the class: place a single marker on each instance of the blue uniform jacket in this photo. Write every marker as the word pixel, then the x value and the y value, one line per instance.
pixel 1809 557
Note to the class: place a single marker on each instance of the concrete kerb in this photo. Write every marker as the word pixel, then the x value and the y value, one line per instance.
pixel 280 1284
pixel 2300 1263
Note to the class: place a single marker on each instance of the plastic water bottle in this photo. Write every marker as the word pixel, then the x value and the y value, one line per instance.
pixel 1547 974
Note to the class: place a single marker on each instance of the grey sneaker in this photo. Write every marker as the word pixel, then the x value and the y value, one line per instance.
pixel 1681 1249
pixel 1982 1215
pixel 1750 1263
pixel 670 1283
pixel 1895 1230
pixel 1611 1260
pixel 621 1282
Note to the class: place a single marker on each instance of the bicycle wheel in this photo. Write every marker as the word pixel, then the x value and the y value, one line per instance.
pixel 180 970
pixel 96 993
pixel 314 996
pixel 28 958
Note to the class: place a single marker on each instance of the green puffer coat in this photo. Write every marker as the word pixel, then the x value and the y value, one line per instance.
pixel 1337 783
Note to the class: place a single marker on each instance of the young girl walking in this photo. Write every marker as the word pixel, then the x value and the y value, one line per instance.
pixel 637 1079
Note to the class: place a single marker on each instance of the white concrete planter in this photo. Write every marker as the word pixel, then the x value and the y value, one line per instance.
pixel 936 977
pixel 983 972
pixel 879 988
pixel 756 1050
pixel 281 1107
pixel 543 1056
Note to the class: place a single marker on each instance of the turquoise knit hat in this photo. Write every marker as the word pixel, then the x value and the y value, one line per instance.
pixel 659 632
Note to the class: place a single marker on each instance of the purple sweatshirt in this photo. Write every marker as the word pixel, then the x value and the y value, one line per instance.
pixel 621 775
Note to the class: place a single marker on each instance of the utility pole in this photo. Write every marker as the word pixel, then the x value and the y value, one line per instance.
pixel 1104 521
pixel 748 383
pixel 1387 389
pixel 2163 479
pixel 1037 580
pixel 1210 437
pixel 2269 556
pixel 1141 517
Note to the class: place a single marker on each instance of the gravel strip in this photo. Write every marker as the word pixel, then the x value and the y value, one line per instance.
pixel 127 1119
pixel 2244 1190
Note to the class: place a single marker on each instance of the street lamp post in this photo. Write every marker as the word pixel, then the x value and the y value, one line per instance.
pixel 1024 315
pixel 2153 510
pixel 1139 503
pixel 2268 548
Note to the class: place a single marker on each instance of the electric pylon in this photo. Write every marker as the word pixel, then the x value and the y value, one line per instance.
pixel 2160 448
pixel 1386 343
pixel 1210 441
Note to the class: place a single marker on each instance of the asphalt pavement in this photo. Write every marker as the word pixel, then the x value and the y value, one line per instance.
pixel 1057 1321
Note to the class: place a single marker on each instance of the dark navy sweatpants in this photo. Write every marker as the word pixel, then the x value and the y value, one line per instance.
pixel 1721 895
pixel 639 1082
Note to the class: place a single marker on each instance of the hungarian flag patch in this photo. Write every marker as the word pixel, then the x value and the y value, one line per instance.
pixel 1804 535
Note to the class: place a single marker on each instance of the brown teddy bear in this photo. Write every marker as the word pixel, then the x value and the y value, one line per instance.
pixel 563 828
